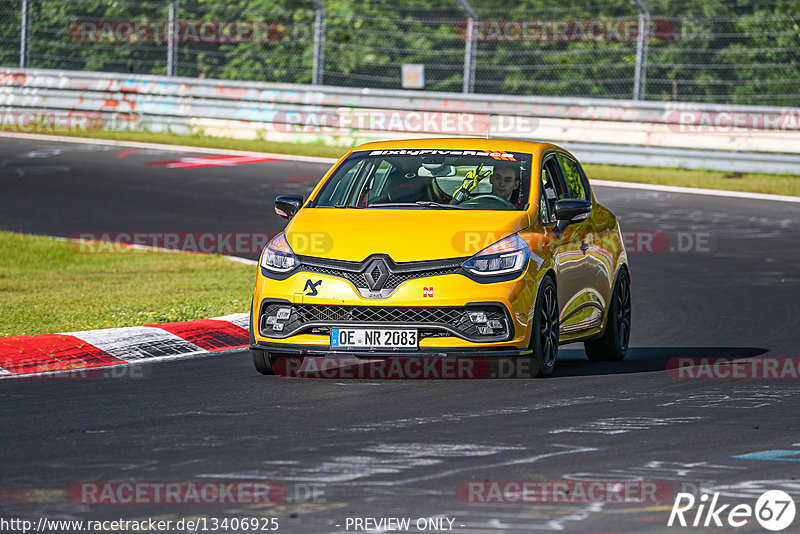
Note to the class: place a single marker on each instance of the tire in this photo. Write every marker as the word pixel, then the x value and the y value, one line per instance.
pixel 544 335
pixel 262 361
pixel 252 336
pixel 613 345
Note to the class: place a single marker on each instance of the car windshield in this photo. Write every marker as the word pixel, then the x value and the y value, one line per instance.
pixel 429 179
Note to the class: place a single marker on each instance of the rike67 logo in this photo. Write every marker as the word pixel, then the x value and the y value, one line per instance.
pixel 774 510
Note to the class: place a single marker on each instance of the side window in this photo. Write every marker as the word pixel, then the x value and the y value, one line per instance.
pixel 378 183
pixel 572 177
pixel 549 192
pixel 340 191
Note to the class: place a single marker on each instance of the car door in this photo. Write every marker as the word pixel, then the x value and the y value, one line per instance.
pixel 569 258
pixel 578 270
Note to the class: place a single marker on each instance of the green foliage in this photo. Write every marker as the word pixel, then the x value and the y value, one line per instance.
pixel 731 51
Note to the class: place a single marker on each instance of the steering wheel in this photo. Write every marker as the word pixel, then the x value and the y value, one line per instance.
pixel 494 198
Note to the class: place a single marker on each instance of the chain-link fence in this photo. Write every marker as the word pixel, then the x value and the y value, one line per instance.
pixel 727 51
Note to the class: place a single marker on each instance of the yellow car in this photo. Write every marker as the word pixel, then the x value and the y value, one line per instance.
pixel 444 248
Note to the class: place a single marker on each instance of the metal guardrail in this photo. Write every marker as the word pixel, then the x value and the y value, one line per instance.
pixel 732 162
pixel 599 131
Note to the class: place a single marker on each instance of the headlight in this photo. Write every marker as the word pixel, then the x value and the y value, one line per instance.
pixel 278 256
pixel 509 255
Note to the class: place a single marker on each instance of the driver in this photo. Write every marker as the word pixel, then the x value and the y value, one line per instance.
pixel 506 182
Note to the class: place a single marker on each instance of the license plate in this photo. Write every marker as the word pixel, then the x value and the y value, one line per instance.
pixel 373 338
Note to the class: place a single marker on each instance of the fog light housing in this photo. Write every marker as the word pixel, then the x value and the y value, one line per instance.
pixel 485 331
pixel 278 327
pixel 494 323
pixel 477 317
pixel 284 313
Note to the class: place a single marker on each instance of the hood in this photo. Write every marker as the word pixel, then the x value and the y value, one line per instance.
pixel 404 234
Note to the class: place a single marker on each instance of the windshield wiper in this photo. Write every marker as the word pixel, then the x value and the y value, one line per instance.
pixel 432 204
pixel 418 203
pixel 347 206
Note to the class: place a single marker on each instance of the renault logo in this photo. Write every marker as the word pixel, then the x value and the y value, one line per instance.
pixel 376 274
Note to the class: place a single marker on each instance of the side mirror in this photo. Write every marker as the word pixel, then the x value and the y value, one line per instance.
pixel 287 205
pixel 572 209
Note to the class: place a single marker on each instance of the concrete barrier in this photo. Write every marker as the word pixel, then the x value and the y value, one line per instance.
pixel 632 130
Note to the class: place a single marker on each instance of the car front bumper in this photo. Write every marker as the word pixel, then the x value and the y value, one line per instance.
pixel 285 349
pixel 441 319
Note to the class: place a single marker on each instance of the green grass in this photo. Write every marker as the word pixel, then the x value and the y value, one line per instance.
pixel 753 182
pixel 48 286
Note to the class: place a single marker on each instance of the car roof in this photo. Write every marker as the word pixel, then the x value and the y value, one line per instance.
pixel 463 143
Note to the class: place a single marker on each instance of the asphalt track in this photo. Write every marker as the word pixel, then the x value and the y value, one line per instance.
pixel 396 448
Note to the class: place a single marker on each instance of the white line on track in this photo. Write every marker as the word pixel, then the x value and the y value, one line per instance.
pixel 331 161
pixel 167 148
pixel 697 191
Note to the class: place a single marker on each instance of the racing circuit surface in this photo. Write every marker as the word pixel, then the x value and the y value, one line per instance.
pixel 396 448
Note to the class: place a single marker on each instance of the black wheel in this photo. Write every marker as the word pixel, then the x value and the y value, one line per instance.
pixel 544 336
pixel 262 361
pixel 613 345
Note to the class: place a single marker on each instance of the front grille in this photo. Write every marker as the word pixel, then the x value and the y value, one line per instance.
pixel 378 314
pixel 392 282
pixel 432 321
